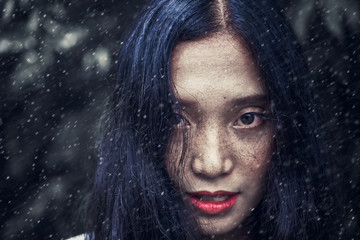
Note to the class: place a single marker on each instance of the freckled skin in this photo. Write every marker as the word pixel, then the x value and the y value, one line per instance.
pixel 216 82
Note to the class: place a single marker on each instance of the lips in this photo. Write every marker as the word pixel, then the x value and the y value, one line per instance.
pixel 213 202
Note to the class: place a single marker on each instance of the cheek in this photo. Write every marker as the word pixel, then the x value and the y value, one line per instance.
pixel 255 147
pixel 252 163
pixel 252 156
pixel 173 154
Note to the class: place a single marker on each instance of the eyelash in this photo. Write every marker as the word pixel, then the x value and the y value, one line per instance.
pixel 180 121
pixel 258 118
pixel 176 121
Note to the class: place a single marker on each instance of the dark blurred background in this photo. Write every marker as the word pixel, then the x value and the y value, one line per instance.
pixel 57 59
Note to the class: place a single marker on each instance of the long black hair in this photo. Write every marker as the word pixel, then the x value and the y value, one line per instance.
pixel 133 196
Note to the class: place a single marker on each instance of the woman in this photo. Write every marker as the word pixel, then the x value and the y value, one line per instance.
pixel 211 130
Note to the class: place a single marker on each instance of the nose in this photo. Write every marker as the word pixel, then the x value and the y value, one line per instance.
pixel 211 157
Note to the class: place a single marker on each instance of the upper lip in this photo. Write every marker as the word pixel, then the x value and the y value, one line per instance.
pixel 211 194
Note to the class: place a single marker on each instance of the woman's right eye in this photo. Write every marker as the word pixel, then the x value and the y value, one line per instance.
pixel 180 121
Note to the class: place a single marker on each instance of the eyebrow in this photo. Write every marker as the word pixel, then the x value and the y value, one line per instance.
pixel 240 101
pixel 251 99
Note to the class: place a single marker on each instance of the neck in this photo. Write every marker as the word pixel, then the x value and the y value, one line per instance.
pixel 236 234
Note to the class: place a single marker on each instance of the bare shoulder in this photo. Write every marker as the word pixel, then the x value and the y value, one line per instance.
pixel 79 237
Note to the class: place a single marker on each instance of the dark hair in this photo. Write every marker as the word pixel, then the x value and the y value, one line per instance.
pixel 133 195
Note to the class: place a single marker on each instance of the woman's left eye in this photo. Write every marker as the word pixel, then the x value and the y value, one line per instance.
pixel 250 120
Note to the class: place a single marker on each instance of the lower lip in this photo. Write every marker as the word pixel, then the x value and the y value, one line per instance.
pixel 214 207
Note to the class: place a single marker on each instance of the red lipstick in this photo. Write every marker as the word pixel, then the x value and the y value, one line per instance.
pixel 213 202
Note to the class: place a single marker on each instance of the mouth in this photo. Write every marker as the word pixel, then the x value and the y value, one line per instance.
pixel 213 203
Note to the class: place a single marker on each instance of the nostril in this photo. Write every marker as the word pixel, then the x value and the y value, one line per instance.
pixel 211 167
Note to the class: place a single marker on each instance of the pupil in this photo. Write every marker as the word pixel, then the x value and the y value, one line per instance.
pixel 247 118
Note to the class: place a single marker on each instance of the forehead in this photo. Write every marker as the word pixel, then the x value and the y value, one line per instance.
pixel 221 48
pixel 218 66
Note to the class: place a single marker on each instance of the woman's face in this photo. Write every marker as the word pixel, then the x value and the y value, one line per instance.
pixel 224 112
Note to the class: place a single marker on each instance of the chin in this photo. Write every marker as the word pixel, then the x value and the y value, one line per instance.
pixel 218 225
